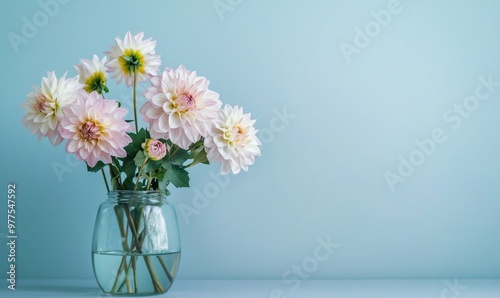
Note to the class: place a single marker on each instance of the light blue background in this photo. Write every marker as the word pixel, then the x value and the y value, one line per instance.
pixel 321 174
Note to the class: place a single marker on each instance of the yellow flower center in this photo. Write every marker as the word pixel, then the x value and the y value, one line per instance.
pixel 95 82
pixel 234 135
pixel 183 103
pixel 132 60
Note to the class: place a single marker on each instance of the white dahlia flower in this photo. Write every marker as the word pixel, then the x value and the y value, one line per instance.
pixel 133 54
pixel 232 140
pixel 93 74
pixel 44 107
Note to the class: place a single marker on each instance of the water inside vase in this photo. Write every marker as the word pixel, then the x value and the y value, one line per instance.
pixel 133 273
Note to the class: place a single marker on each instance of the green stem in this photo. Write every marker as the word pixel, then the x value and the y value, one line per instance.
pixel 126 281
pixel 114 171
pixel 133 229
pixel 105 179
pixel 149 183
pixel 156 283
pixel 140 172
pixel 120 269
pixel 137 241
pixel 134 268
pixel 191 164
pixel 154 278
pixel 123 264
pixel 135 101
pixel 172 154
pixel 121 228
pixel 129 287
pixel 164 265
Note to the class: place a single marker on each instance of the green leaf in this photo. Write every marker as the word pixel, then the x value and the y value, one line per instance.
pixel 129 168
pixel 137 140
pixel 175 174
pixel 139 159
pixel 128 183
pixel 179 157
pixel 99 165
pixel 139 185
pixel 162 184
pixel 199 155
pixel 153 165
pixel 115 171
pixel 129 162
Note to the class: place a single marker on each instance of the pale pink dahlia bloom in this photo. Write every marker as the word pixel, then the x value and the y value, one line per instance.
pixel 133 53
pixel 232 140
pixel 95 129
pixel 180 106
pixel 44 107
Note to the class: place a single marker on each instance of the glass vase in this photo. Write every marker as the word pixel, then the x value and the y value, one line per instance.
pixel 136 246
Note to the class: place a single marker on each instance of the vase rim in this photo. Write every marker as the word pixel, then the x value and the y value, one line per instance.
pixel 136 195
pixel 128 191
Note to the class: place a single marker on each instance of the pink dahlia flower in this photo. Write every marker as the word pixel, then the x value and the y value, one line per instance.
pixel 180 106
pixel 95 129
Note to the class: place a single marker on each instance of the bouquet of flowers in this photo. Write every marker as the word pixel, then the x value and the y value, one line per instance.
pixel 187 124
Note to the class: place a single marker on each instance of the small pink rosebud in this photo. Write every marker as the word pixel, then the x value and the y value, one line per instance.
pixel 154 149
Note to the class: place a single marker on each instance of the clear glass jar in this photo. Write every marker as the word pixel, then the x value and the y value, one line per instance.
pixel 136 246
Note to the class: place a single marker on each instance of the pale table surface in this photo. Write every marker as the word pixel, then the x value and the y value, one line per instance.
pixel 464 288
